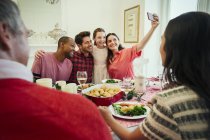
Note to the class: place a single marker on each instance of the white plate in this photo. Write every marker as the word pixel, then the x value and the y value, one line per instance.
pixel 79 87
pixel 128 117
pixel 117 80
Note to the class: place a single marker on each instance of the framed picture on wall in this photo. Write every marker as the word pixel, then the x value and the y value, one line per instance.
pixel 131 24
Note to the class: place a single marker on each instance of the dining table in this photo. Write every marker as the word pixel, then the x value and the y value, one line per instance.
pixel 152 88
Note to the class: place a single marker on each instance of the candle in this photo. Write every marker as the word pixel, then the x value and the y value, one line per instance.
pixel 46 82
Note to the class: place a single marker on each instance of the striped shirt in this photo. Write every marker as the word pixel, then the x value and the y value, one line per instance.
pixel 177 114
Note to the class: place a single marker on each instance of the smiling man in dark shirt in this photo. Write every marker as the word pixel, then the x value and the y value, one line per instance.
pixel 82 59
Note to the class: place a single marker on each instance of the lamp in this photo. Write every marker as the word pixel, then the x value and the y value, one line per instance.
pixel 52 1
pixel 57 32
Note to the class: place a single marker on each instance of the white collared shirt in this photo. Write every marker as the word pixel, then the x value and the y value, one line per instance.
pixel 11 69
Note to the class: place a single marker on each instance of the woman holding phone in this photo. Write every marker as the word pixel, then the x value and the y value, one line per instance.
pixel 120 60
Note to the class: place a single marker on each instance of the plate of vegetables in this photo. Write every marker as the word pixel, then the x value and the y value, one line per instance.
pixel 111 81
pixel 129 110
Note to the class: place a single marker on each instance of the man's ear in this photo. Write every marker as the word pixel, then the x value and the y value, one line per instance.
pixel 62 45
pixel 5 37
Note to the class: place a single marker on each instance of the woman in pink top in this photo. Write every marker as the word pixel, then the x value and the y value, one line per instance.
pixel 119 60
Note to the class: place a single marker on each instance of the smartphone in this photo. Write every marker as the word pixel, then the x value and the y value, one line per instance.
pixel 150 16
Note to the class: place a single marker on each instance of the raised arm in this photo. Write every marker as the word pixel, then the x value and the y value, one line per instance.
pixel 146 38
pixel 119 130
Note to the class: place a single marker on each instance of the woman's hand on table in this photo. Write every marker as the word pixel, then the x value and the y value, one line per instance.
pixel 120 131
pixel 149 104
pixel 107 115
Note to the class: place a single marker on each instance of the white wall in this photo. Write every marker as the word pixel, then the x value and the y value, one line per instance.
pixel 89 15
pixel 39 15
pixel 178 7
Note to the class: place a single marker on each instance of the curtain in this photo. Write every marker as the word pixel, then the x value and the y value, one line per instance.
pixel 65 22
pixel 165 14
pixel 204 6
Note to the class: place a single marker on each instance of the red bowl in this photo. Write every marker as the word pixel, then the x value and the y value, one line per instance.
pixel 106 101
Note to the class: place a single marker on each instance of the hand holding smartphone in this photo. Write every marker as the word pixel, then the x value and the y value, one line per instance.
pixel 150 16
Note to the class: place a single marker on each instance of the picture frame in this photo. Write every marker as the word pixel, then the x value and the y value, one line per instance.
pixel 131 24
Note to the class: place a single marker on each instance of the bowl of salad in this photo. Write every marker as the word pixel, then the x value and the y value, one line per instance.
pixel 111 81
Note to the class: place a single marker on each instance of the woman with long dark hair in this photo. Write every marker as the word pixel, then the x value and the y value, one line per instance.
pixel 120 60
pixel 182 112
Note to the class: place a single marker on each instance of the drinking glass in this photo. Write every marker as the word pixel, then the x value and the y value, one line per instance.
pixel 140 84
pixel 81 77
pixel 127 82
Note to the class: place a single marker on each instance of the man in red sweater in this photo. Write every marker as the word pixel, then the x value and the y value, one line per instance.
pixel 31 112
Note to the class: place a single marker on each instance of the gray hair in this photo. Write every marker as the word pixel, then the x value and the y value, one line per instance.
pixel 10 15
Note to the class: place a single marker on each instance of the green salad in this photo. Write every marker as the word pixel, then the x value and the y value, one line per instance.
pixel 111 81
pixel 129 109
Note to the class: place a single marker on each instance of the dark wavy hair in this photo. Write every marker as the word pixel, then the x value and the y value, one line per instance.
pixel 96 31
pixel 79 37
pixel 187 47
pixel 110 54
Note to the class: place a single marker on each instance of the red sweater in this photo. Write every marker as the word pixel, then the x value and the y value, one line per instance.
pixel 32 112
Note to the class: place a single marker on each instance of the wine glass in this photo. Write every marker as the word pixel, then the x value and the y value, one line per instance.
pixel 127 82
pixel 81 77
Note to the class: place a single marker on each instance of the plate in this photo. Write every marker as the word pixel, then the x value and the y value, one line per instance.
pixel 129 117
pixel 84 86
pixel 116 81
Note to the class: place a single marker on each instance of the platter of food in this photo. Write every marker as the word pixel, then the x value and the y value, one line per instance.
pixel 103 94
pixel 129 110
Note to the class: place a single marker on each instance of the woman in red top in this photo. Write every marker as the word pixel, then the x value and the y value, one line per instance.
pixel 119 60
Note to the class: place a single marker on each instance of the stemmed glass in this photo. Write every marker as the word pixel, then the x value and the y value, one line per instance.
pixel 127 82
pixel 81 77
